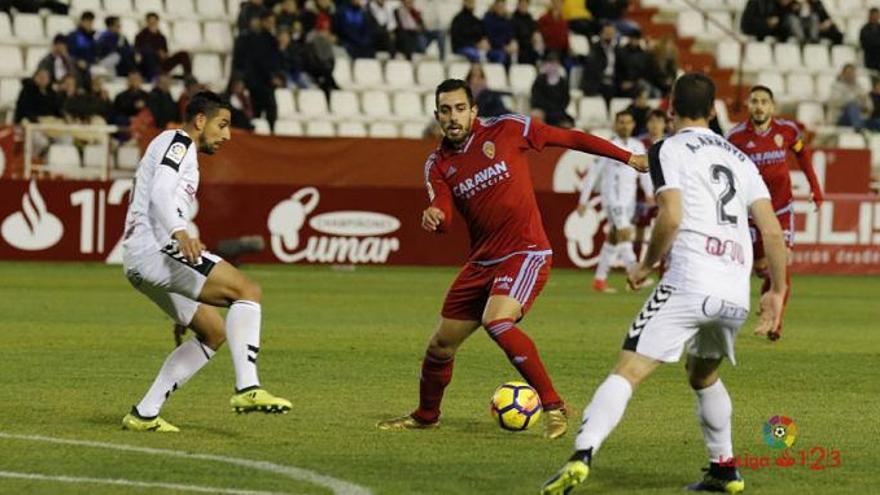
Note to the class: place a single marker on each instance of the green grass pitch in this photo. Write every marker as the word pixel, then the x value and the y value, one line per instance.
pixel 78 347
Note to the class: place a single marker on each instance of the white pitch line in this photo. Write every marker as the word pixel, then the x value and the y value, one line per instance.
pixel 124 482
pixel 338 486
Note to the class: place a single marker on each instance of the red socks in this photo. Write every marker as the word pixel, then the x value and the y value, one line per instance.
pixel 436 375
pixel 523 355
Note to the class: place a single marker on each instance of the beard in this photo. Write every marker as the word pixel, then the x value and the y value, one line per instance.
pixel 760 120
pixel 465 131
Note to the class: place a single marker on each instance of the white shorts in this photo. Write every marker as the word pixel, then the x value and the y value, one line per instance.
pixel 169 280
pixel 621 216
pixel 671 322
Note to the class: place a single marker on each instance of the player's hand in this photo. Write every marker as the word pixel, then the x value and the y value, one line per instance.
pixel 179 332
pixel 432 218
pixel 635 277
pixel 771 313
pixel 190 247
pixel 582 209
pixel 638 162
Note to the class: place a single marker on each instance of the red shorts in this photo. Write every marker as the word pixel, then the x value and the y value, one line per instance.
pixel 520 276
pixel 786 221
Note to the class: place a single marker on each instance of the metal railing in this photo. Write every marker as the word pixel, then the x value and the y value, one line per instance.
pixel 96 134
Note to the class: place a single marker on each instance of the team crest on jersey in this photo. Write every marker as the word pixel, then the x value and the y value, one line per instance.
pixel 176 152
pixel 779 140
pixel 489 149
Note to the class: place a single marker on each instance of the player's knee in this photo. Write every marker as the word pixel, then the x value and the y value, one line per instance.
pixel 442 347
pixel 249 290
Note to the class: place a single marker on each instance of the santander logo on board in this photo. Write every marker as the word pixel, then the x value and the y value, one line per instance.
pixel 33 228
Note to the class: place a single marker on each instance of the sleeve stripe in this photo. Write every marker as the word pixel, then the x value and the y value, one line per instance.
pixel 432 159
pixel 654 166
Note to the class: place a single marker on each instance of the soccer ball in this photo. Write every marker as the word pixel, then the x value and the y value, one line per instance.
pixel 515 406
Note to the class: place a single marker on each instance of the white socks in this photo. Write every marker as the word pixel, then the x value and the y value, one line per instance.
pixel 714 410
pixel 178 368
pixel 604 412
pixel 243 336
pixel 606 257
pixel 626 253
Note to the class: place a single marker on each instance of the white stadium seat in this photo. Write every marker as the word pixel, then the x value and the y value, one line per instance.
pixel 96 156
pixel 430 105
pixel 430 73
pixel 874 145
pixel 351 130
pixel 320 128
pixel 723 24
pixel 816 58
pixel 617 105
pixel 342 72
pixel 376 104
pixel 9 89
pixel 13 64
pixel 284 102
pixel 233 7
pixel 312 103
pixel 799 86
pixel 77 7
pixel 28 28
pixel 459 70
pixel 212 9
pixel 774 81
pixel 823 85
pixel 810 113
pixel 787 56
pixel 130 28
pixel 367 73
pixel 180 8
pixel 261 127
pixel 6 35
pixel 496 76
pixel 118 7
pixel 592 111
pixel 288 128
pixel 63 159
pixel 399 74
pixel 842 55
pixel 727 54
pixel 218 36
pixel 383 130
pixel 850 140
pixel 690 23
pixel 579 45
pixel 522 76
pixel 186 35
pixel 33 57
pixel 407 105
pixel 413 130
pixel 127 157
pixel 852 30
pixel 758 57
pixel 59 24
pixel 344 104
pixel 145 6
pixel 207 68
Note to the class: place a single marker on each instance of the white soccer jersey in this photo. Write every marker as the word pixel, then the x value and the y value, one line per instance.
pixel 617 180
pixel 163 193
pixel 712 251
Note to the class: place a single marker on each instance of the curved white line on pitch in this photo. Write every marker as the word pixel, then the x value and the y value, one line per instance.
pixel 338 487
pixel 124 482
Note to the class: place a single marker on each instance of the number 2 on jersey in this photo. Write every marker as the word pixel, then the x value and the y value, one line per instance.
pixel 717 172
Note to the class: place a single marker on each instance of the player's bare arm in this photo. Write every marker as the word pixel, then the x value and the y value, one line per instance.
pixel 774 247
pixel 668 220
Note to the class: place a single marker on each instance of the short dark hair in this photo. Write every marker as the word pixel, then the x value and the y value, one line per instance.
pixel 207 103
pixel 87 16
pixel 151 14
pixel 761 87
pixel 59 39
pixel 624 113
pixel 693 96
pixel 450 85
pixel 657 114
pixel 111 20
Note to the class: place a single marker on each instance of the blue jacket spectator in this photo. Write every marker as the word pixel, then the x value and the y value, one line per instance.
pixel 81 43
pixel 500 32
pixel 114 51
pixel 357 30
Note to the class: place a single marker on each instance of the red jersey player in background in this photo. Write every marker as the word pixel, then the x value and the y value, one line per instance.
pixel 481 169
pixel 768 140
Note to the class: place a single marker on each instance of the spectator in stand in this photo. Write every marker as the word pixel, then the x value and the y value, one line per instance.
pixel 870 39
pixel 99 102
pixel 191 87
pixel 82 46
pixel 320 59
pixel 467 34
pixel 528 38
pixel 501 34
pixel 382 14
pixel 640 109
pixel 410 35
pixel 580 19
pixel 240 100
pixel 550 93
pixel 601 67
pixel 293 49
pixel 114 51
pixel 613 11
pixel 873 121
pixel 763 18
pixel 288 12
pixel 57 61
pixel 664 64
pixel 554 29
pixel 161 104
pixel 634 67
pixel 152 47
pixel 250 9
pixel 259 60
pixel 356 29
pixel 88 107
pixel 325 12
pixel 807 21
pixel 435 30
pixel 488 101
pixel 849 102
pixel 65 91
pixel 37 99
pixel 131 101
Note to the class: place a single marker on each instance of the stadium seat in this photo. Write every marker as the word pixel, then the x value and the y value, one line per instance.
pixel 77 7
pixel 320 128
pixel 211 9
pixel 187 35
pixel 233 7
pixel 284 101
pixel 177 9
pixel 63 159
pixel 344 104
pixel 723 24
pixel 459 70
pixel 114 87
pixel 33 57
pixel 810 113
pixel 522 76
pixel 95 155
pixel 429 105
pixel 144 6
pixel 342 72
pixel 592 111
pixel 413 130
pixel 617 105
pixel 816 58
pixel 758 57
pixel 399 74
pixel 787 56
pixel 130 28
pixel 799 86
pixel 28 28
pixel 218 36
pixel 842 55
pixel 9 89
pixel 6 35
pixel 376 104
pixel 774 81
pixel 874 146
pixel 852 29
pixel 496 76
pixel 736 5
pixel 579 45
pixel 713 5
pixel 351 130
pixel 690 23
pixel 823 85
pixel 850 140
pixel 850 8
pixel 727 54
pixel 119 7
pixel 127 157
pixel 288 128
pixel 261 127
pixel 367 73
pixel 430 73
pixel 312 103
pixel 407 105
pixel 59 24
pixel 383 130
pixel 206 67
pixel 13 64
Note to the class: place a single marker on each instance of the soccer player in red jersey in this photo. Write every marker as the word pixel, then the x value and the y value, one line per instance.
pixel 481 169
pixel 768 140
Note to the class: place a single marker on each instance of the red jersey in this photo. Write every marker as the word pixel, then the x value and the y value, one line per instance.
pixel 769 150
pixel 488 181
